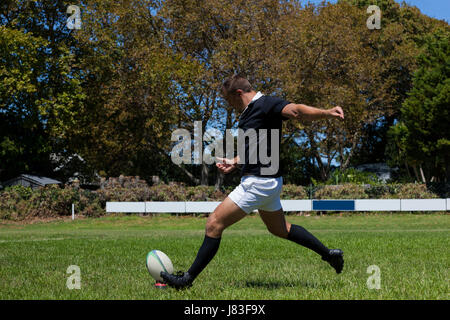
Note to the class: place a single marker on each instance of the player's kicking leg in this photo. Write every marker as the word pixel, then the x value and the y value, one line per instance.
pixel 223 216
pixel 277 225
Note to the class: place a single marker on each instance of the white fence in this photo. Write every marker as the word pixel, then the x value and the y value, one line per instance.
pixel 288 205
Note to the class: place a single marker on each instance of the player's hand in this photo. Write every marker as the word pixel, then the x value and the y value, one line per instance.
pixel 336 112
pixel 225 165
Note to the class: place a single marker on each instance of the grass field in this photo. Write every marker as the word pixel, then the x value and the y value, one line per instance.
pixel 410 250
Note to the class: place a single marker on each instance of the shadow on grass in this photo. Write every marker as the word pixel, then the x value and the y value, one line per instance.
pixel 271 285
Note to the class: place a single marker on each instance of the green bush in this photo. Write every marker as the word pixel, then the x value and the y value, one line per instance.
pixel 50 201
pixel 18 203
pixel 410 191
pixel 123 194
pixel 345 191
pixel 53 201
pixel 352 175
pixel 382 191
pixel 7 204
pixel 204 193
pixel 89 204
pixel 20 191
pixel 293 192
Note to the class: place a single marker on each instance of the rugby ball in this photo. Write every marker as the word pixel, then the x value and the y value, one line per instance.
pixel 158 261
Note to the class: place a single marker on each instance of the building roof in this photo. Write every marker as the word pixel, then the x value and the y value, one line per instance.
pixel 39 180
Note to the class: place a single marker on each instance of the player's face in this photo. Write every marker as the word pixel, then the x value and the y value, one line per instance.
pixel 234 100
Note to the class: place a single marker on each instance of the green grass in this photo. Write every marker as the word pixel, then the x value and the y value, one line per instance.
pixel 410 250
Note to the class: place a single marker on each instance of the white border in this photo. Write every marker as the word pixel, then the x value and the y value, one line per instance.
pixel 288 205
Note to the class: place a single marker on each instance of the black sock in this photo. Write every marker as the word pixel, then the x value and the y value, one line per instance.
pixel 301 236
pixel 205 254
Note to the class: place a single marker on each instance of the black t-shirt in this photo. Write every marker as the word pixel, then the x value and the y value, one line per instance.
pixel 259 124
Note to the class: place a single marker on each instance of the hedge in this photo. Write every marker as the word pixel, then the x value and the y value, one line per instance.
pixel 19 203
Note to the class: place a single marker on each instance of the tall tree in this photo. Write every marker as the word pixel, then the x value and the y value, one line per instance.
pixel 225 38
pixel 38 94
pixel 135 85
pixel 23 139
pixel 422 133
pixel 397 43
pixel 325 59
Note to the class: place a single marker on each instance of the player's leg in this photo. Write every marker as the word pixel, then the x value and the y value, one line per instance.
pixel 275 222
pixel 226 214
pixel 277 225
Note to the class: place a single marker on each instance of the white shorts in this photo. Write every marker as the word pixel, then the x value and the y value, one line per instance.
pixel 258 193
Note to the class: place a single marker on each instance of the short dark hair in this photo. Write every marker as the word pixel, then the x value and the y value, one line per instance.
pixel 236 82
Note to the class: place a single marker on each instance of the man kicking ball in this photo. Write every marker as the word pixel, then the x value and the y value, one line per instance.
pixel 261 182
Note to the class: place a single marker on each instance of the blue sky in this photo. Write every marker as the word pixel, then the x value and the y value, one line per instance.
pixel 439 9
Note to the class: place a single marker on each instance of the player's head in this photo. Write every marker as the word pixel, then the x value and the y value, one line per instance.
pixel 233 90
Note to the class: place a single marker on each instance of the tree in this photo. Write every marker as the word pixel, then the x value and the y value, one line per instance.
pixel 38 92
pixel 135 86
pixel 114 91
pixel 325 59
pixel 423 134
pixel 225 38
pixel 397 45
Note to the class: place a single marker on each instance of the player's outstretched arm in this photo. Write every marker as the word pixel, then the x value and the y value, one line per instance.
pixel 304 112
